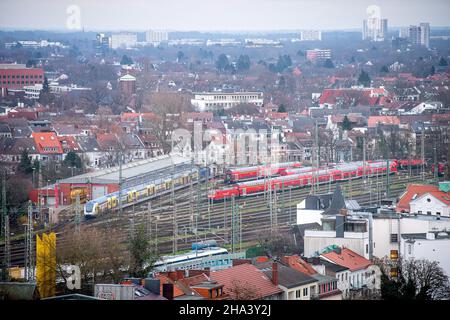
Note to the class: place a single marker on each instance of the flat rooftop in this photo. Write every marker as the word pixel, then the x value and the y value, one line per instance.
pixel 154 167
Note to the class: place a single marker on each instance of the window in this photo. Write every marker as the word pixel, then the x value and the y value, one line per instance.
pixel 297 294
pixel 367 248
pixel 419 212
pixel 429 213
pixel 438 213
pixel 305 292
pixel 394 238
pixel 409 248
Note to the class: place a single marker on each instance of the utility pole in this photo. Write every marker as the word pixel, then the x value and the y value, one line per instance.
pixel 39 191
pixel 423 152
pixel 270 206
pixel 120 182
pixel 174 208
pixel 364 160
pixel 77 214
pixel 233 214
pixel 436 165
pixel 29 246
pixel 7 252
pixel 387 179
pixel 4 213
pixel 149 221
pixel 5 231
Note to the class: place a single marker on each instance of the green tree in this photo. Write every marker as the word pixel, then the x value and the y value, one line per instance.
pixel 142 257
pixel 45 86
pixel 328 64
pixel 432 70
pixel 126 60
pixel 364 79
pixel 384 69
pixel 180 56
pixel 25 163
pixel 243 63
pixel 222 63
pixel 281 108
pixel 443 62
pixel 283 62
pixel 346 124
pixel 72 160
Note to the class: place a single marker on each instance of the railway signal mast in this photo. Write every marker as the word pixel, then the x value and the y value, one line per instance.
pixel 29 249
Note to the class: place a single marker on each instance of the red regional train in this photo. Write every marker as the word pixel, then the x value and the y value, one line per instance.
pixel 404 164
pixel 333 173
pixel 234 175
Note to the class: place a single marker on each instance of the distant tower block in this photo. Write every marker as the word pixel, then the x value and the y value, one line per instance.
pixel 127 84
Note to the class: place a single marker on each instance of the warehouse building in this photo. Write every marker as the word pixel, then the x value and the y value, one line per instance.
pixel 95 184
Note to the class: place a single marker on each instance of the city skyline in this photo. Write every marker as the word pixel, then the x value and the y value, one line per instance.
pixel 200 15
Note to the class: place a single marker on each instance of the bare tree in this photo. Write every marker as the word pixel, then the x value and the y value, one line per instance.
pixel 243 291
pixel 419 279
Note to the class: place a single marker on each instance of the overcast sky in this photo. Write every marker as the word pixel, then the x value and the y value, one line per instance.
pixel 217 15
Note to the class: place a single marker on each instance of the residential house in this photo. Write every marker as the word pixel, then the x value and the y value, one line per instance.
pixel 356 264
pixel 296 285
pixel 327 286
pixel 257 283
pixel 425 199
pixel 48 146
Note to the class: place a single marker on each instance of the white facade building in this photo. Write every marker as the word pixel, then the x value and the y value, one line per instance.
pixel 310 35
pixel 317 240
pixel 222 100
pixel 123 39
pixel 429 246
pixel 156 36
pixel 430 205
pixel 375 29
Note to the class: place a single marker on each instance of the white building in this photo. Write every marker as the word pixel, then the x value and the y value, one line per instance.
pixel 318 54
pixel 123 39
pixel 425 107
pixel 431 203
pixel 310 35
pixel 221 100
pixel 33 92
pixel 375 29
pixel 425 34
pixel 156 36
pixel 433 246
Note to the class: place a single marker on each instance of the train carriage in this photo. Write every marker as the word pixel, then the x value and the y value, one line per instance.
pixel 304 177
pixel 142 192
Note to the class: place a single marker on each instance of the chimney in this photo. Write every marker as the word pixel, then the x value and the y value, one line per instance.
pixel 275 273
pixel 168 291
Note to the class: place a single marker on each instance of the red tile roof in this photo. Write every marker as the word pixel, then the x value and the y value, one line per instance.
pixel 419 190
pixel 368 96
pixel 47 142
pixel 297 263
pixel 133 116
pixel 373 121
pixel 69 143
pixel 347 258
pixel 246 273
pixel 177 292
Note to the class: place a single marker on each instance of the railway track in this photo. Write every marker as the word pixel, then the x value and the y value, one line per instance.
pixel 214 219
